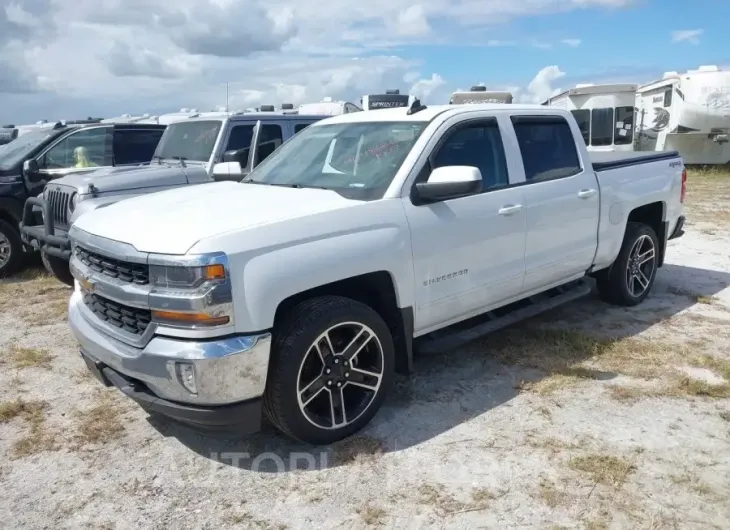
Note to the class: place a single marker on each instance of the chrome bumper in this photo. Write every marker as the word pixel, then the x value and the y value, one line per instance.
pixel 226 370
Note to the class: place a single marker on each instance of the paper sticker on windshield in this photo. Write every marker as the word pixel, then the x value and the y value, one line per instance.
pixel 356 185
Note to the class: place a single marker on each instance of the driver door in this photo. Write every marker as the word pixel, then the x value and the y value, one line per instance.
pixel 468 252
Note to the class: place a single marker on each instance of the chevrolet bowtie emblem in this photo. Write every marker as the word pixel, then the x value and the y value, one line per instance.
pixel 87 284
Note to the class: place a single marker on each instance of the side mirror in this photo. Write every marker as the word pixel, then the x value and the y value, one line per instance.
pixel 227 171
pixel 232 156
pixel 31 170
pixel 450 182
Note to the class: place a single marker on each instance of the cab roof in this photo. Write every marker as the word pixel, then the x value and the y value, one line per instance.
pixel 427 114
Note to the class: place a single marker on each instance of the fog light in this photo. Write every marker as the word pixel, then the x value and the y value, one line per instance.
pixel 186 375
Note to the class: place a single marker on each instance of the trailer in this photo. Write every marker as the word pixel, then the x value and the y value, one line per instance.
pixel 480 94
pixel 688 113
pixel 605 114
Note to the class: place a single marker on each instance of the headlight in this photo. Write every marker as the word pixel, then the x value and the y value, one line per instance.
pixel 73 202
pixel 185 277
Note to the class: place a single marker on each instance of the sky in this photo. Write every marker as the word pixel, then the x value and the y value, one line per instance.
pixel 62 59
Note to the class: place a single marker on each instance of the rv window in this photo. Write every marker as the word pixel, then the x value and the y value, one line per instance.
pixel 623 132
pixel 583 117
pixel 668 98
pixel 602 126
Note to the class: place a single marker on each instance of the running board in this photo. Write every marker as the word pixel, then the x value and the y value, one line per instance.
pixel 468 330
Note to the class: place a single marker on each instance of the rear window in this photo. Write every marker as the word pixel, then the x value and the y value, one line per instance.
pixel 602 126
pixel 547 146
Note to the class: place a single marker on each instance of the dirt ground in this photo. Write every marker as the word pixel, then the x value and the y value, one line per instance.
pixel 590 417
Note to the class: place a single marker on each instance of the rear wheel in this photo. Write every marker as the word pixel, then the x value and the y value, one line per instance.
pixel 58 267
pixel 11 249
pixel 332 364
pixel 631 276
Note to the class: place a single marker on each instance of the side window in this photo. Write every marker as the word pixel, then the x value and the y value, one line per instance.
pixel 135 146
pixel 583 117
pixel 240 138
pixel 602 126
pixel 547 146
pixel 81 149
pixel 623 133
pixel 300 126
pixel 478 145
pixel 270 137
pixel 668 98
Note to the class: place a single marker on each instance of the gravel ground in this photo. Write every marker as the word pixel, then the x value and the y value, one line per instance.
pixel 589 417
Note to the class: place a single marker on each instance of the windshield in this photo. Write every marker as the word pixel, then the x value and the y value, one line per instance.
pixel 16 151
pixel 356 159
pixel 192 140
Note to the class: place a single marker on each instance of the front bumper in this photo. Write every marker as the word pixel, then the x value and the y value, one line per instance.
pixel 44 236
pixel 230 373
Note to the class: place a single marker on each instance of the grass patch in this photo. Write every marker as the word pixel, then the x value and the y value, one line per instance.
pixel 719 366
pixel 689 387
pixel 603 469
pixel 22 357
pixel 569 357
pixel 372 515
pixel 37 437
pixel 357 449
pixel 551 495
pixel 100 424
pixel 691 482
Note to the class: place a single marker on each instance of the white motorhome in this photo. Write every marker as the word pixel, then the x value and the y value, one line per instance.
pixel 390 100
pixel 605 114
pixel 688 113
pixel 480 94
pixel 328 107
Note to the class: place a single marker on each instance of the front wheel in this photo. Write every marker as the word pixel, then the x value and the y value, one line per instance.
pixel 58 267
pixel 332 364
pixel 631 276
pixel 11 249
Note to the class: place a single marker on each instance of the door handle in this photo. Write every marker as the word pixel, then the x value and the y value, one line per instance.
pixel 586 194
pixel 509 209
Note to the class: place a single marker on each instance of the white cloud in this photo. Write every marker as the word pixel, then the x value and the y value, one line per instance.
pixel 687 35
pixel 573 43
pixel 96 56
pixel 542 85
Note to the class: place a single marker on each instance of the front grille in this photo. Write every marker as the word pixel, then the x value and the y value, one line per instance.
pixel 130 319
pixel 122 270
pixel 59 201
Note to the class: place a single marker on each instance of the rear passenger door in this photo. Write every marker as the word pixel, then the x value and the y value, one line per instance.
pixel 561 201
pixel 468 253
pixel 135 146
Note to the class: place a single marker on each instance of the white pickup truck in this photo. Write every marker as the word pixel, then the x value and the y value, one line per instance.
pixel 300 291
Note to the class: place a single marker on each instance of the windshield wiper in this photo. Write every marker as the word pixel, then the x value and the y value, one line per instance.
pixel 182 160
pixel 158 158
pixel 283 185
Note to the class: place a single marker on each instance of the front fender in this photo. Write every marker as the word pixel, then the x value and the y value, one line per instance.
pixel 263 281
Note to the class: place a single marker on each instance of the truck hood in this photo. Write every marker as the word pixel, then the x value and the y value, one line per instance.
pixel 171 222
pixel 116 179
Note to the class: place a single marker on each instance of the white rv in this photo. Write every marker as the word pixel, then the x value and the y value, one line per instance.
pixel 688 113
pixel 479 94
pixel 391 99
pixel 328 107
pixel 605 114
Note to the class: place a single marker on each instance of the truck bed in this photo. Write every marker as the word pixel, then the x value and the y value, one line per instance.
pixel 603 161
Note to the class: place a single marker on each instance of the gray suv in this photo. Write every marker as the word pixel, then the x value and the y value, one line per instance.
pixel 191 151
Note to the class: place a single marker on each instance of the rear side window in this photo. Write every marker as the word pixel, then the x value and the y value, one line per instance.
pixel 583 117
pixel 547 146
pixel 478 145
pixel 602 126
pixel 135 146
pixel 270 137
pixel 300 126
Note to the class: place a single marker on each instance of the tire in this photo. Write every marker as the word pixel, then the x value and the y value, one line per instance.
pixel 12 256
pixel 294 356
pixel 58 267
pixel 614 284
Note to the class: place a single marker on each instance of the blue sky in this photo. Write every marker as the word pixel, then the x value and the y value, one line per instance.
pixel 62 60
pixel 615 44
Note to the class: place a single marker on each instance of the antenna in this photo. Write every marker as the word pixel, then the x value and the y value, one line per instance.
pixel 416 107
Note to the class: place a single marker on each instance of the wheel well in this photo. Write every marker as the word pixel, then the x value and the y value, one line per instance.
pixel 8 218
pixel 652 215
pixel 376 290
